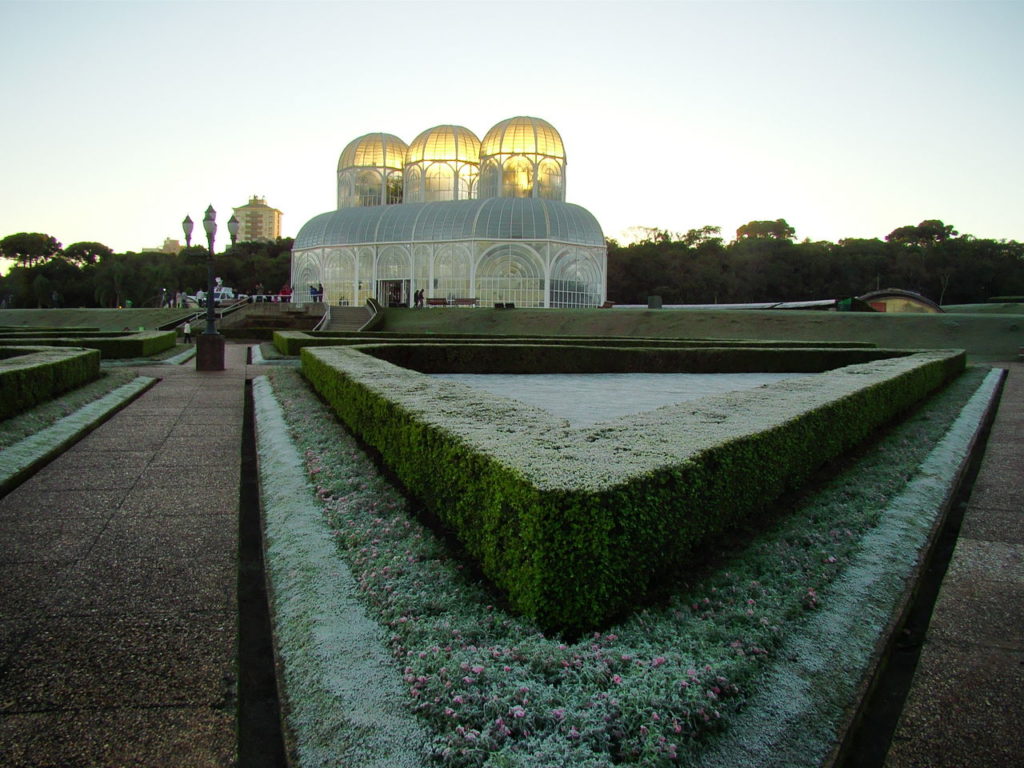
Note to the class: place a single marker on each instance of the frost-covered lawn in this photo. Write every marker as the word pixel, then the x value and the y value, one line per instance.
pixel 586 399
pixel 737 662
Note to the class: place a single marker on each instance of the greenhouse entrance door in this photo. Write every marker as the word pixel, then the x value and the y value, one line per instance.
pixel 393 293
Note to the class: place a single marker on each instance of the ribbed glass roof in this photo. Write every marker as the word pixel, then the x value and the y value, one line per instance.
pixel 488 219
pixel 523 136
pixel 374 150
pixel 445 143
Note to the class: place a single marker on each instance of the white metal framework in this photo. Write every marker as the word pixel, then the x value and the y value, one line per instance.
pixel 457 218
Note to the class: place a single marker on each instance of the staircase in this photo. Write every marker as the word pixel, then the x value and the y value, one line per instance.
pixel 348 318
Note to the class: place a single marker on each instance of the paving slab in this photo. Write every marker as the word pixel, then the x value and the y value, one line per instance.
pixel 168 737
pixel 964 707
pixel 118 585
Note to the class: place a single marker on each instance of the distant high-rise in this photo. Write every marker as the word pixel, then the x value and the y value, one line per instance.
pixel 258 221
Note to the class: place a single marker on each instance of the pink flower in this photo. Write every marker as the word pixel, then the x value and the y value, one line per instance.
pixel 617 679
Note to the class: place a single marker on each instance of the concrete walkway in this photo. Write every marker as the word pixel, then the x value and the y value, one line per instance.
pixel 965 708
pixel 118 617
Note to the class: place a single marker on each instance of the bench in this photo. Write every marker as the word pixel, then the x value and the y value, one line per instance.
pixel 465 302
pixel 437 302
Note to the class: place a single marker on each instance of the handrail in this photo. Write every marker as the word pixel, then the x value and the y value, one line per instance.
pixel 324 321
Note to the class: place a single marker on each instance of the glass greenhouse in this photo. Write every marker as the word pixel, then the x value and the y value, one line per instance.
pixel 459 219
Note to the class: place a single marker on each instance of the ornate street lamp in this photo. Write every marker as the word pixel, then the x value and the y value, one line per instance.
pixel 209 344
pixel 233 224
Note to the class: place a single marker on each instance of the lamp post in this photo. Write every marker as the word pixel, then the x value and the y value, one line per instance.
pixel 209 344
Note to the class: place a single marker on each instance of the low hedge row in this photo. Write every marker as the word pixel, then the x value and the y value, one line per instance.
pixel 576 526
pixel 31 375
pixel 530 358
pixel 11 332
pixel 291 342
pixel 113 346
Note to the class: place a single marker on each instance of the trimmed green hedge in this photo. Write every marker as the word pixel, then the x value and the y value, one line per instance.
pixel 113 346
pixel 530 358
pixel 31 375
pixel 576 526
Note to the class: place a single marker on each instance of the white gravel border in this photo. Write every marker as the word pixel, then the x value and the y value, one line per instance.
pixel 341 694
pixel 23 456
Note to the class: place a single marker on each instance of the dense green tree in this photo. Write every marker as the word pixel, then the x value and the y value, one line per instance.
pixel 696 268
pixel 926 233
pixel 29 248
pixel 771 230
pixel 86 253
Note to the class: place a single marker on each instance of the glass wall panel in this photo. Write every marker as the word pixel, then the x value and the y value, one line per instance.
pixel 339 276
pixel 510 273
pixel 452 265
pixel 549 180
pixel 305 271
pixel 364 275
pixel 517 177
pixel 368 188
pixel 394 190
pixel 439 183
pixel 413 184
pixel 490 179
pixel 346 190
pixel 576 279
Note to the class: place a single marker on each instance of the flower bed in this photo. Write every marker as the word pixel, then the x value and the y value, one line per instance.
pixel 666 685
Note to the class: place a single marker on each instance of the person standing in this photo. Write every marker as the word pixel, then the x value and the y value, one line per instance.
pixel 187 330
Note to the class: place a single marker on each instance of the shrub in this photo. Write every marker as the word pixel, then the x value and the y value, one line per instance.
pixel 576 525
pixel 31 375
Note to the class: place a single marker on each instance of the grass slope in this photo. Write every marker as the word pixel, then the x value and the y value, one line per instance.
pixel 985 337
pixel 101 319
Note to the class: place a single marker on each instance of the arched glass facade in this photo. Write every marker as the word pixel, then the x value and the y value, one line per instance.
pixel 457 218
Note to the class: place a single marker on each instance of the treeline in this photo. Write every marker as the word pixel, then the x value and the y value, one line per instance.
pixel 764 263
pixel 47 274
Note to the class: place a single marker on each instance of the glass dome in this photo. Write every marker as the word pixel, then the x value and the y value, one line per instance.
pixel 442 163
pixel 444 143
pixel 523 136
pixel 370 171
pixel 374 150
pixel 522 157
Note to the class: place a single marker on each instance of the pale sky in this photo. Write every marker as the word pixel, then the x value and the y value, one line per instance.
pixel 848 119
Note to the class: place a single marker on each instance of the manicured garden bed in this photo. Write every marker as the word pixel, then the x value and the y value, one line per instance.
pixel 668 685
pixel 577 525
